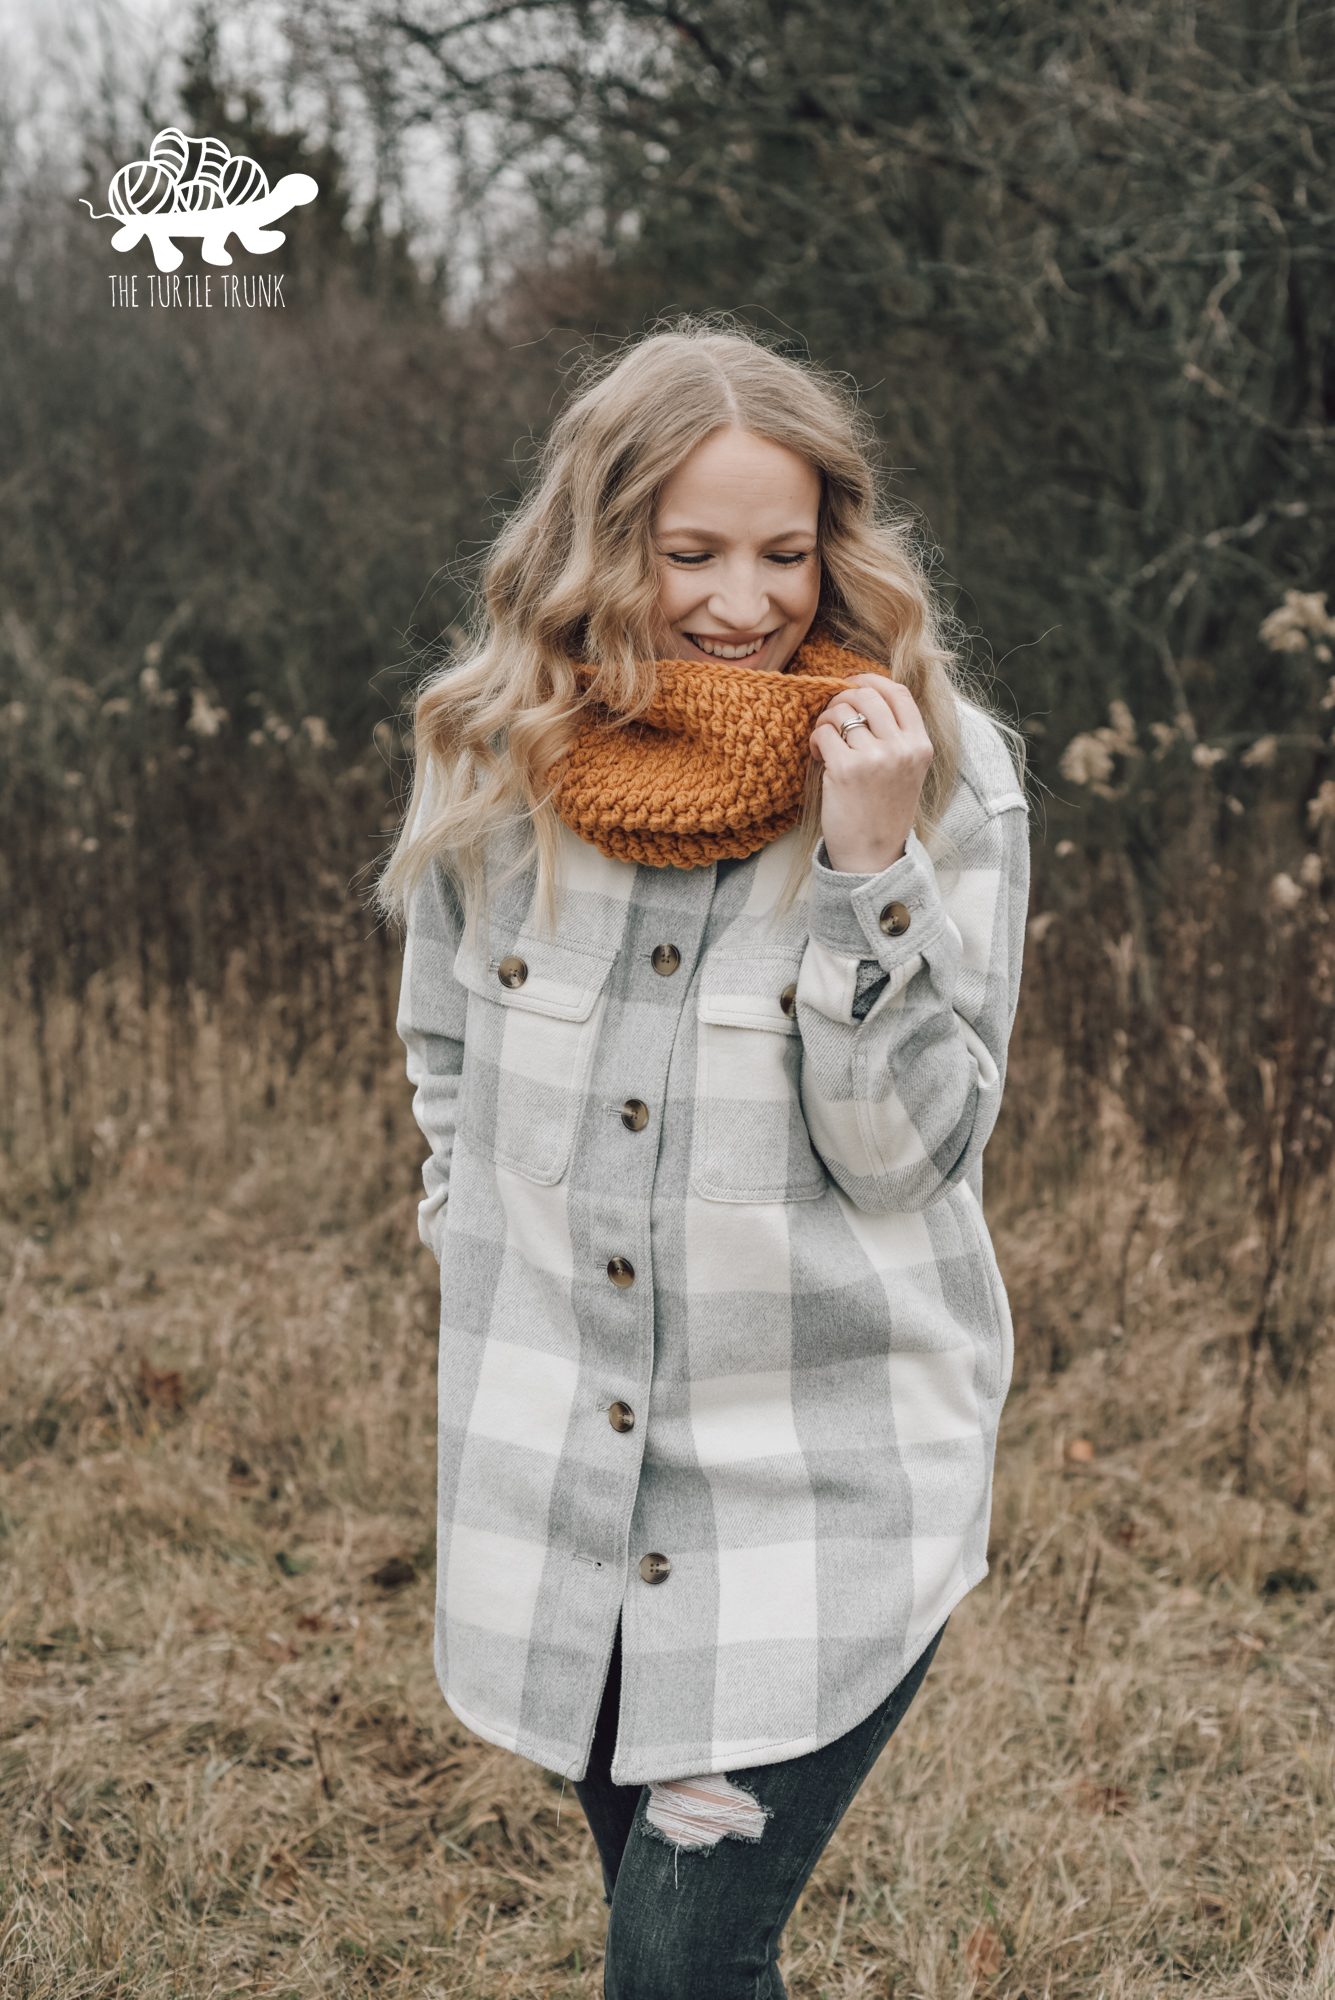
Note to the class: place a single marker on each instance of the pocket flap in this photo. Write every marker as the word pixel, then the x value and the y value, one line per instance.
pixel 748 993
pixel 560 980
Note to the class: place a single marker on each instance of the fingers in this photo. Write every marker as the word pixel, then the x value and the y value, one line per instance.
pixel 843 707
pixel 886 698
pixel 828 744
pixel 894 725
pixel 881 716
pixel 873 777
pixel 839 713
pixel 827 730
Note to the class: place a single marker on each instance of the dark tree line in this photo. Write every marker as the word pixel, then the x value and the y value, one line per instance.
pixel 1078 260
pixel 1079 257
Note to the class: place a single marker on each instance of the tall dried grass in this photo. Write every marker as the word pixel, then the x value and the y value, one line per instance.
pixel 225 1765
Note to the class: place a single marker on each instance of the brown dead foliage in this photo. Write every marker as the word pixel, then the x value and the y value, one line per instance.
pixel 225 1766
pixel 159 1388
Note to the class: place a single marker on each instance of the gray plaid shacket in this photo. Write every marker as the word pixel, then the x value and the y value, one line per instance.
pixel 705 1188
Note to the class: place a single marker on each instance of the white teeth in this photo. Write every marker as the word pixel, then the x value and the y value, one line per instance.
pixel 722 652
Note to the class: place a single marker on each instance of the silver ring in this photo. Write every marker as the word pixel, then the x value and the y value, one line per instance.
pixel 854 722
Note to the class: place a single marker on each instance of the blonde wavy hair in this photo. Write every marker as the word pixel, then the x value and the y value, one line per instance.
pixel 574 576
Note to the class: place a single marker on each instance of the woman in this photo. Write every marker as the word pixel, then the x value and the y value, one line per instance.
pixel 715 889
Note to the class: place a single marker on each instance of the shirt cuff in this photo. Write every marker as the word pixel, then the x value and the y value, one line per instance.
pixel 890 917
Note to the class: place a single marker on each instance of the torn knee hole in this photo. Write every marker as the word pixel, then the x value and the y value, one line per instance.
pixel 699 1812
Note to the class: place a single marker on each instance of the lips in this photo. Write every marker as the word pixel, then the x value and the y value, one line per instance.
pixel 721 649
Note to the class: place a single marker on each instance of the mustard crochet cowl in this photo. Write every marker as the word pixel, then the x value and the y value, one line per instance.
pixel 715 767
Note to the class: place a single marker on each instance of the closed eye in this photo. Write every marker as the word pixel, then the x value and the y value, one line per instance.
pixel 785 558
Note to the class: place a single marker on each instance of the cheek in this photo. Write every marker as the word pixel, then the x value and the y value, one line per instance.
pixel 803 592
pixel 675 595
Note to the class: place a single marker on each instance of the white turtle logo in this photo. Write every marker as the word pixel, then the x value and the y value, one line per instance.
pixel 196 187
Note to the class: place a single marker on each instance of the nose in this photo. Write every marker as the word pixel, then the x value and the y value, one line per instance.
pixel 739 598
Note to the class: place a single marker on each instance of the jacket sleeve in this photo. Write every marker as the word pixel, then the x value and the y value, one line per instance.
pixel 432 1009
pixel 901 1102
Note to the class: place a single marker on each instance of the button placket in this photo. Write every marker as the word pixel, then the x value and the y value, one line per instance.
pixel 628 1326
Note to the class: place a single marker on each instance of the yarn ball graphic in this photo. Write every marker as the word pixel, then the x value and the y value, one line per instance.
pixel 197 195
pixel 242 180
pixel 144 187
pixel 194 187
pixel 156 186
pixel 213 157
pixel 171 149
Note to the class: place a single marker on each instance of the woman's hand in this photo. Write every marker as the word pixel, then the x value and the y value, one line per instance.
pixel 873 776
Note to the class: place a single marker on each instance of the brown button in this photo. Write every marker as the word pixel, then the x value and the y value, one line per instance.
pixel 666 959
pixel 655 1569
pixel 512 972
pixel 621 1271
pixel 788 1000
pixel 621 1417
pixel 634 1115
pixel 894 920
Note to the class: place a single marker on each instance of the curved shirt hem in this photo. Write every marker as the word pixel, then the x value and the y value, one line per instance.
pixel 655 1773
pixel 784 1753
pixel 505 1739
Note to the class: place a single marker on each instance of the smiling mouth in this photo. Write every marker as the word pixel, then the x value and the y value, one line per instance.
pixel 720 649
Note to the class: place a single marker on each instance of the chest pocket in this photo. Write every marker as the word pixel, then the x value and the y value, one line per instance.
pixel 751 1141
pixel 534 1014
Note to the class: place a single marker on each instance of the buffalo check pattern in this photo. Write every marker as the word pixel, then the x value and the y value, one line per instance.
pixel 816 1344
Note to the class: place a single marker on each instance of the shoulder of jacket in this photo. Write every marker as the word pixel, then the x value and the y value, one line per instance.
pixel 988 780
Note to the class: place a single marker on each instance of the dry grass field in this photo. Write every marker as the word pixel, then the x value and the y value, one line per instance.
pixel 225 1767
pixel 1074 263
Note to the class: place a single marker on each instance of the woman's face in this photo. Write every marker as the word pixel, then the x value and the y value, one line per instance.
pixel 735 530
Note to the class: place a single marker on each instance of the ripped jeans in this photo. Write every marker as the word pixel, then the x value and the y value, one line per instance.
pixel 706 1923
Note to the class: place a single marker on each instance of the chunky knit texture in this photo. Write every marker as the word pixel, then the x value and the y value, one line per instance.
pixel 713 769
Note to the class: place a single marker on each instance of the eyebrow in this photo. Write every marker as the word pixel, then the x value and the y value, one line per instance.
pixel 713 535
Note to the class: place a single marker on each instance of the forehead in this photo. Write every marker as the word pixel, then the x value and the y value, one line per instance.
pixel 736 479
